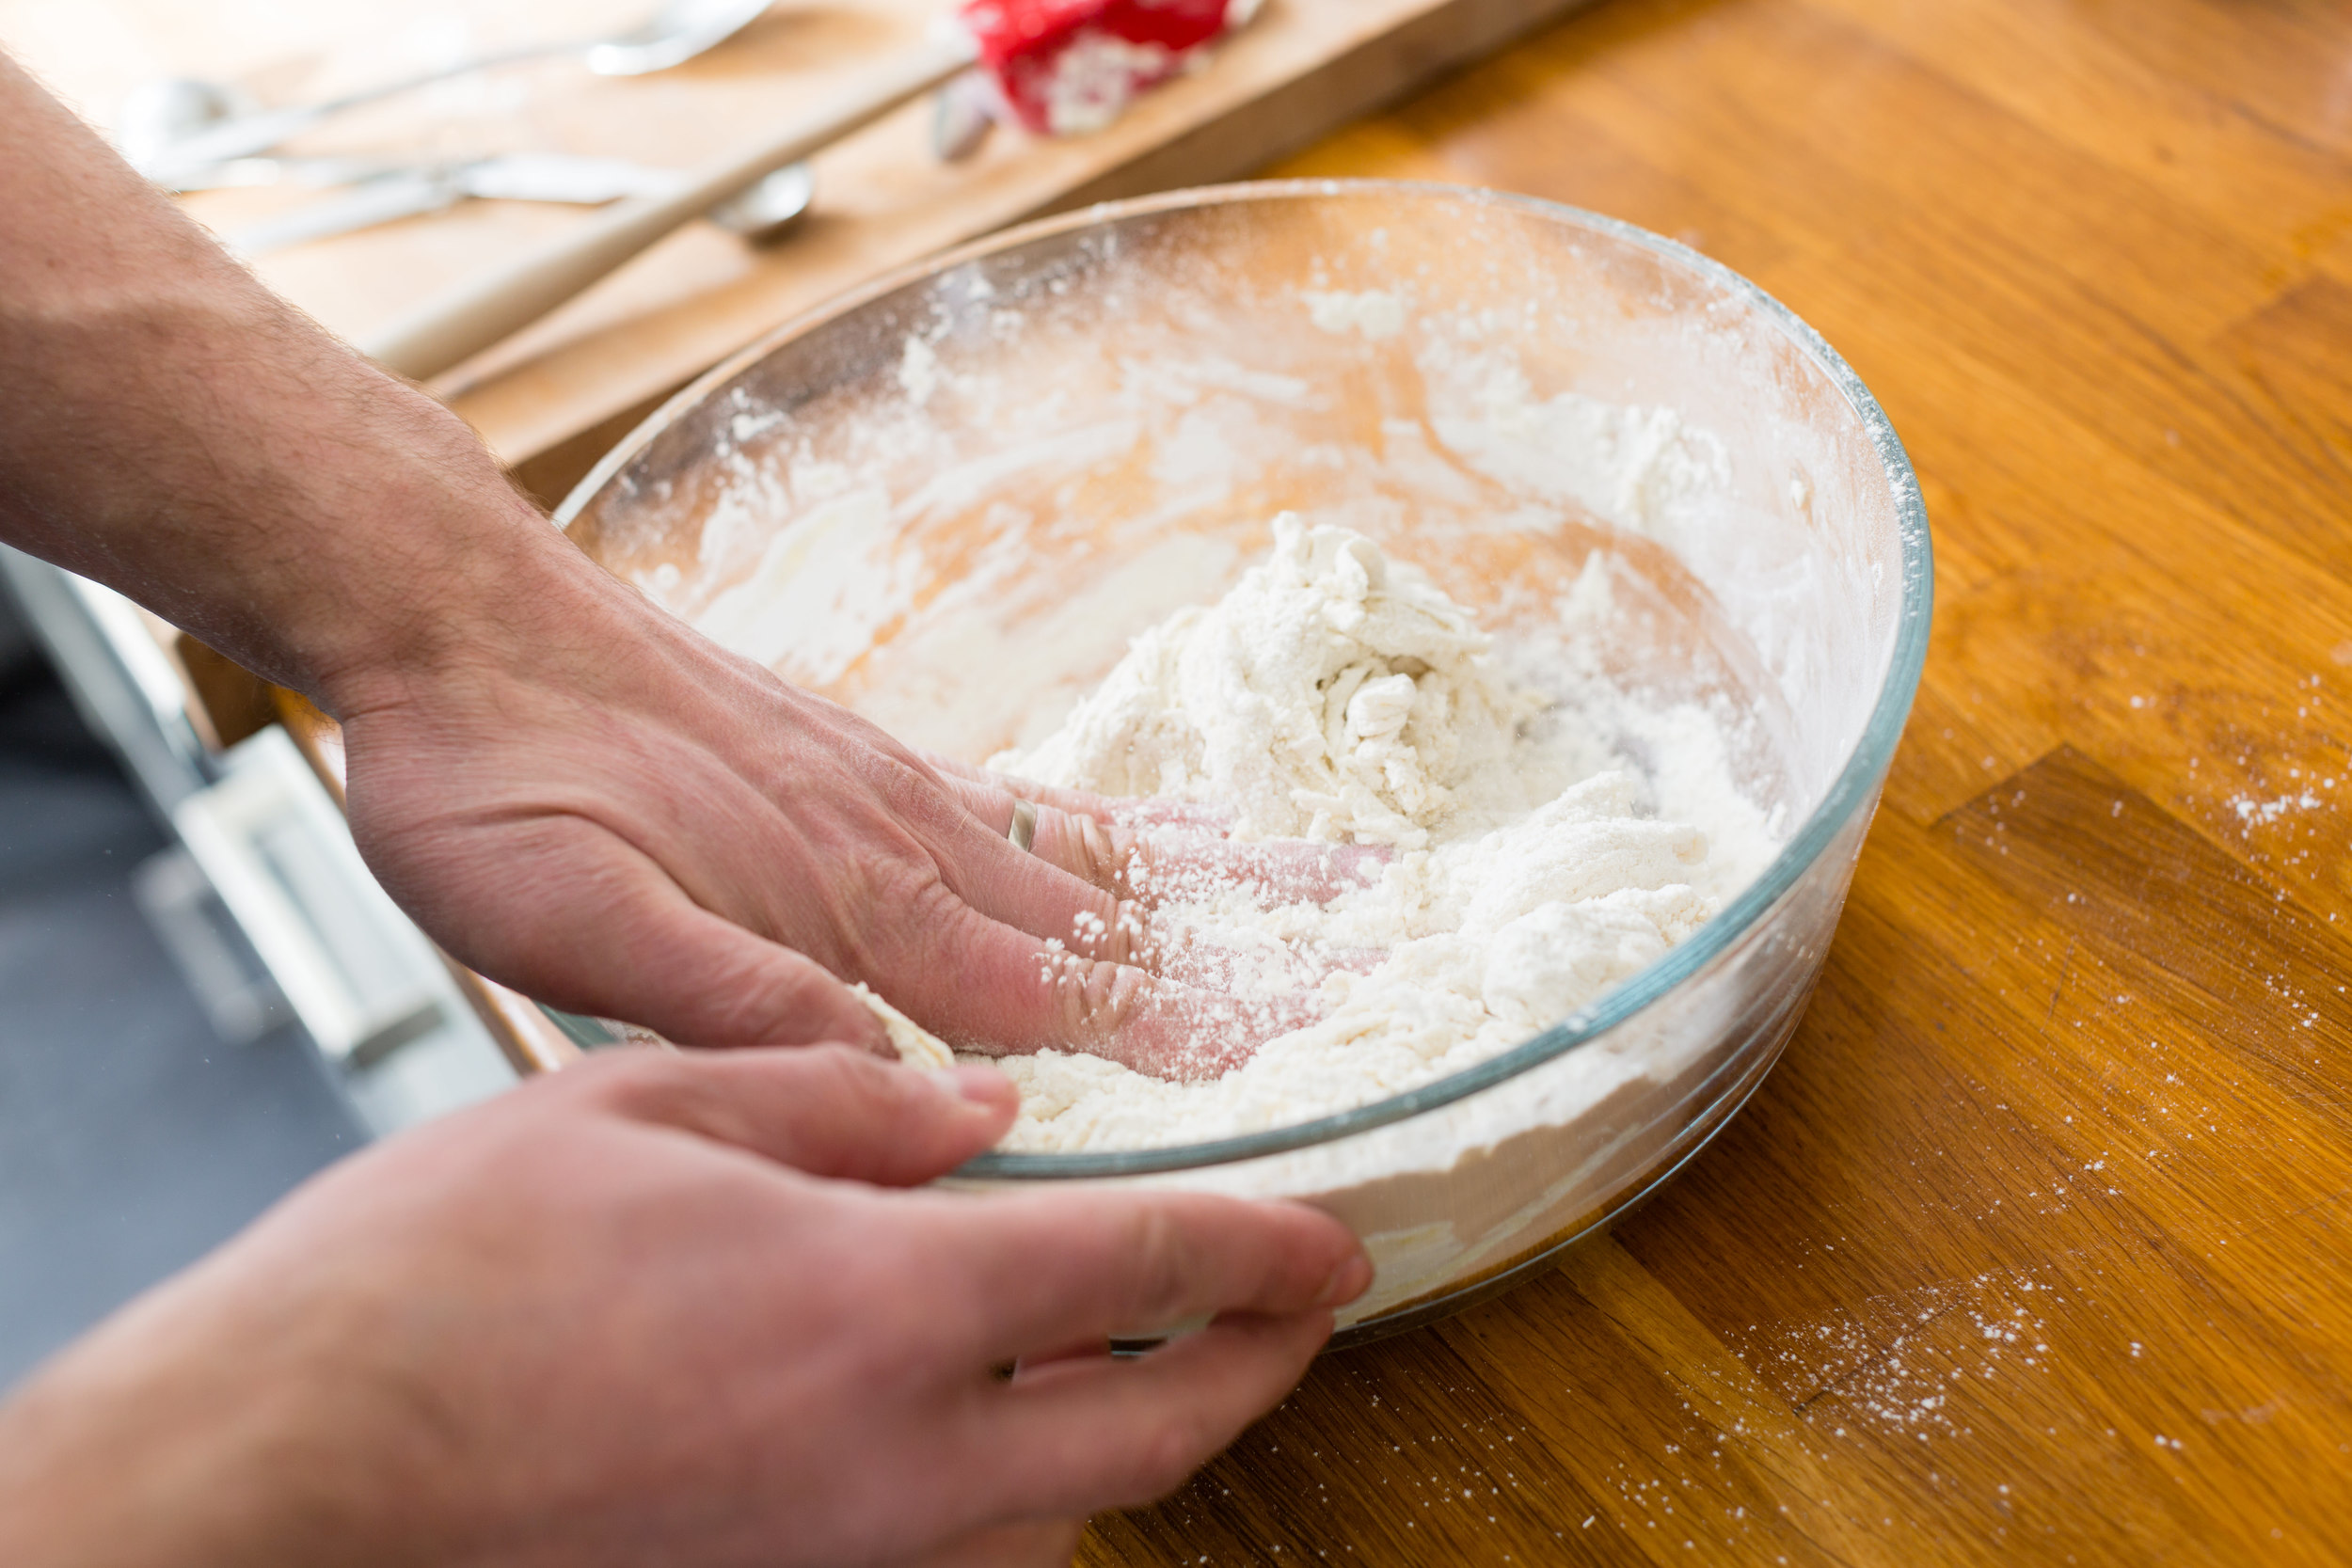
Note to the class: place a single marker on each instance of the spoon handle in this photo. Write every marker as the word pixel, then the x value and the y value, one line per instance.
pixel 465 320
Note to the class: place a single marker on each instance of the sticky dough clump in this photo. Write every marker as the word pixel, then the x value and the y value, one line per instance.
pixel 1332 695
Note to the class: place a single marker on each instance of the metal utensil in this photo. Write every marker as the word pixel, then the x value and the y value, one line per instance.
pixel 405 192
pixel 760 213
pixel 963 114
pixel 170 127
pixel 764 210
pixel 239 174
pixel 1032 52
pixel 469 316
pixel 672 36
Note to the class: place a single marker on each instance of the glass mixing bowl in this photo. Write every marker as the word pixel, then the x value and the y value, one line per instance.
pixel 949 499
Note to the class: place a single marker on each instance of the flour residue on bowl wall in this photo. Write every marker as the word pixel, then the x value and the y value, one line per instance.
pixel 959 546
pixel 965 545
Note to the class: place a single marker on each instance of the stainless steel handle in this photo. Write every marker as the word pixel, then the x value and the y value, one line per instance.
pixel 355 971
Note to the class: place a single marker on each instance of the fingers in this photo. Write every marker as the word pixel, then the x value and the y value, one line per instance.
pixel 1082 842
pixel 1051 1276
pixel 1043 1271
pixel 1104 1434
pixel 985 985
pixel 1173 865
pixel 1093 1348
pixel 1166 862
pixel 604 930
pixel 1049 1544
pixel 1189 1034
pixel 827 1110
pixel 729 988
pixel 1210 1005
pixel 1032 893
pixel 1012 992
pixel 1110 858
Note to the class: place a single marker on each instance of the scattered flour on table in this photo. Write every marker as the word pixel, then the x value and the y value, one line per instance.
pixel 1336 696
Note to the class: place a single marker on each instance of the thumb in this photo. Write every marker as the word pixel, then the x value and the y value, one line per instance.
pixel 825 1110
pixel 1042 1543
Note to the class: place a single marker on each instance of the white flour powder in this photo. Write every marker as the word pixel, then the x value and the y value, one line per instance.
pixel 1337 696
pixel 1325 697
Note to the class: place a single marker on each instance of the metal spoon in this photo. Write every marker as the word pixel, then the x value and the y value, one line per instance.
pixel 177 125
pixel 672 36
pixel 243 174
pixel 758 214
pixel 764 210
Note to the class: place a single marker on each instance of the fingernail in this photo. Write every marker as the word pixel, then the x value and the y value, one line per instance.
pixel 1348 1281
pixel 982 1085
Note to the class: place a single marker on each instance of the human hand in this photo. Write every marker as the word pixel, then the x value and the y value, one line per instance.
pixel 661 1308
pixel 591 803
pixel 570 791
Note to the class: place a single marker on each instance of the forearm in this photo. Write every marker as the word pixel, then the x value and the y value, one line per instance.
pixel 171 428
pixel 197 1429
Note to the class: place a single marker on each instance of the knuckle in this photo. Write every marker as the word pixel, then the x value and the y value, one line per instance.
pixel 1130 940
pixel 1170 1446
pixel 1098 853
pixel 642 1081
pixel 739 1017
pixel 1115 859
pixel 905 909
pixel 780 1004
pixel 846 1072
pixel 1114 931
pixel 1161 1270
pixel 913 792
pixel 1096 997
pixel 921 892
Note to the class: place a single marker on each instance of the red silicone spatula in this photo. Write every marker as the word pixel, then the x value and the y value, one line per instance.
pixel 1062 66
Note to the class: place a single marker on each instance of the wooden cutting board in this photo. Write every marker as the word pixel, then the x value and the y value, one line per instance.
pixel 550 400
pixel 553 400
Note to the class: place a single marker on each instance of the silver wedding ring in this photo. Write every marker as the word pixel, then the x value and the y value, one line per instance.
pixel 1024 829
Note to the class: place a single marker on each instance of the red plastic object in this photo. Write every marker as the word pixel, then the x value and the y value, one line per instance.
pixel 1065 65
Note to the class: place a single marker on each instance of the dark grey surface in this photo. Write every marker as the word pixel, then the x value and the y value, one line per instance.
pixel 132 1140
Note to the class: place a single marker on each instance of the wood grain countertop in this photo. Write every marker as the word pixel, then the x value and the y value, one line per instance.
pixel 2037 1246
pixel 2034 1248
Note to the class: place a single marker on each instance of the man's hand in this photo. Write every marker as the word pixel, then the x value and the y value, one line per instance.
pixel 570 791
pixel 658 1309
pixel 663 1308
pixel 596 805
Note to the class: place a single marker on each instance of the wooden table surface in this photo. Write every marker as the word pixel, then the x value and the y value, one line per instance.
pixel 2035 1246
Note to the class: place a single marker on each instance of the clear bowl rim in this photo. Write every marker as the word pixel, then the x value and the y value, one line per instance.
pixel 1855 786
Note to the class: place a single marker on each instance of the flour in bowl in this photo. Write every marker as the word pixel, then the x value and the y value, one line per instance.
pixel 1548 833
